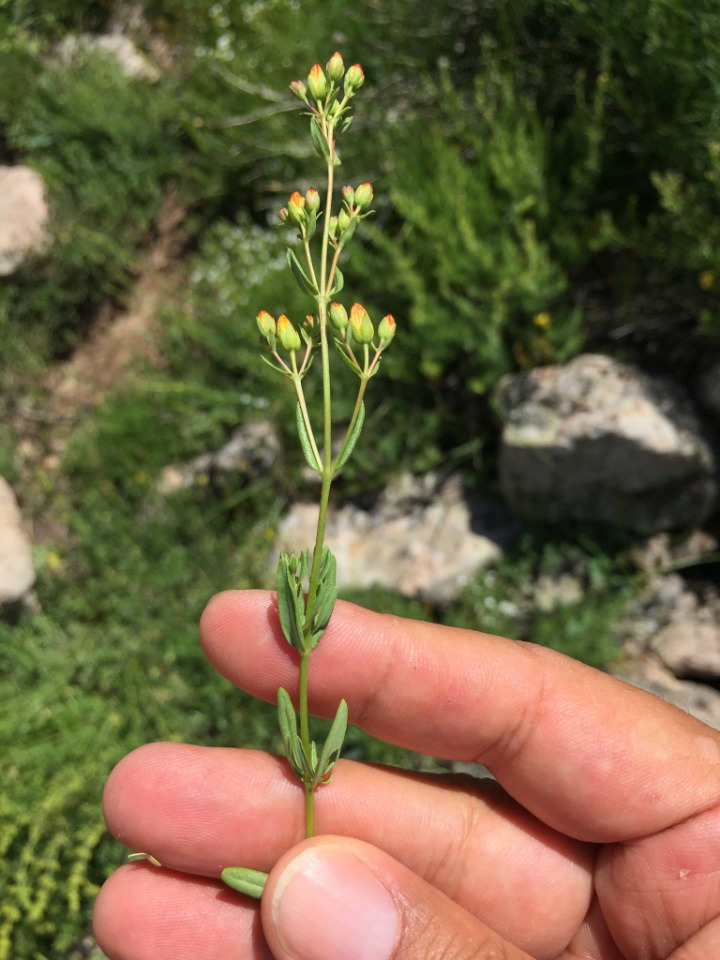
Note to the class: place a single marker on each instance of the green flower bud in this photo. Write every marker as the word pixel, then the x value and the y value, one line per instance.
pixel 299 90
pixel 287 334
pixel 266 326
pixel 361 324
pixel 317 82
pixel 354 78
pixel 386 329
pixel 335 67
pixel 312 200
pixel 364 195
pixel 338 317
pixel 348 196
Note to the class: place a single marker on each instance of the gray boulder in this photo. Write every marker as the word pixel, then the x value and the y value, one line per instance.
pixel 601 441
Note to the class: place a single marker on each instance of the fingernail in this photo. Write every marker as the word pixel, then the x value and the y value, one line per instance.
pixel 329 905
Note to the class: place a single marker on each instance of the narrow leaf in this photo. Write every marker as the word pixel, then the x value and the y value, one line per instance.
pixel 292 745
pixel 305 442
pixel 291 605
pixel 303 280
pixel 247 881
pixel 352 439
pixel 319 141
pixel 285 373
pixel 333 744
pixel 326 596
pixel 338 282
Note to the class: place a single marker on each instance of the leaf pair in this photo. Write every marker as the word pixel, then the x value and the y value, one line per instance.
pixel 312 769
pixel 302 630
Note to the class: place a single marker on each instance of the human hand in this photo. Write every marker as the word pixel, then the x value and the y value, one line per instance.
pixel 602 842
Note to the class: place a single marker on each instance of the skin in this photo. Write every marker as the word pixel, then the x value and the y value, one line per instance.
pixel 599 841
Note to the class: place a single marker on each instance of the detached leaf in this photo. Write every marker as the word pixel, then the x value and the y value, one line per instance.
pixel 352 439
pixel 303 280
pixel 333 745
pixel 247 881
pixel 305 441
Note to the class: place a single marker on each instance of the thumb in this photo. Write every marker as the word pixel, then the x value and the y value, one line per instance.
pixel 334 898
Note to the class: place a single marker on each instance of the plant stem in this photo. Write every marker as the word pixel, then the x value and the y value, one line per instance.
pixel 327 477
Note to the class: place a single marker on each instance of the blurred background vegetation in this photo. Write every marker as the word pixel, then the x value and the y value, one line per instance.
pixel 547 175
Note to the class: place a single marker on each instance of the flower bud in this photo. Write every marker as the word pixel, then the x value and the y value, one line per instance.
pixel 296 208
pixel 283 215
pixel 317 82
pixel 344 220
pixel 348 195
pixel 287 334
pixel 312 200
pixel 354 78
pixel 364 195
pixel 338 317
pixel 362 328
pixel 266 326
pixel 335 67
pixel 386 329
pixel 299 90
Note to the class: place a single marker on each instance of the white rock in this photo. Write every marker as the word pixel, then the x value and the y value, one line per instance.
pixel 17 575
pixel 23 216
pixel 423 540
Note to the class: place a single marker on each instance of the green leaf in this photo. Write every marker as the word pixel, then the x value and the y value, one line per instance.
pixel 326 596
pixel 333 745
pixel 285 373
pixel 303 280
pixel 318 139
pixel 338 283
pixel 247 881
pixel 351 440
pixel 287 721
pixel 291 603
pixel 305 442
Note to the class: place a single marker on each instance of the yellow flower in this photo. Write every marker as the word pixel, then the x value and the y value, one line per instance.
pixel 706 279
pixel 542 320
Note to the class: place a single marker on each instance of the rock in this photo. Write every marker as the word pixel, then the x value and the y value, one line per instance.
pixel 114 46
pixel 600 441
pixel 23 216
pixel 697 699
pixel 424 539
pixel 251 451
pixel 690 649
pixel 17 575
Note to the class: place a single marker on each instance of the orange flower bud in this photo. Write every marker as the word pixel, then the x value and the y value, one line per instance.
pixel 362 328
pixel 299 90
pixel 335 67
pixel 317 82
pixel 296 208
pixel 287 334
pixel 348 195
pixel 354 78
pixel 364 195
pixel 386 329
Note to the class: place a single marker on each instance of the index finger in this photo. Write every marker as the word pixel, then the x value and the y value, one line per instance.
pixel 588 754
